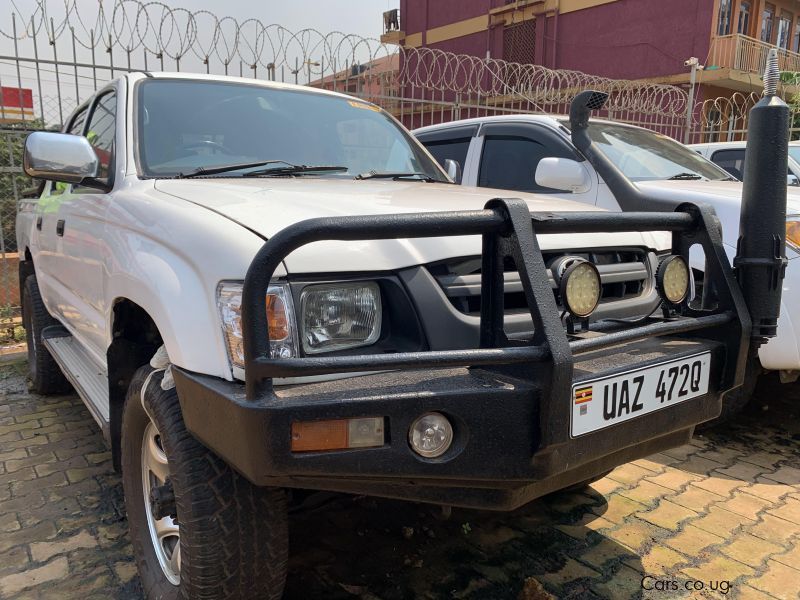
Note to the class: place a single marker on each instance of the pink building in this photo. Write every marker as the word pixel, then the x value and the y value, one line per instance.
pixel 647 40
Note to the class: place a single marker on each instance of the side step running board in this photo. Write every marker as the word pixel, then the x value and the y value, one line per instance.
pixel 88 379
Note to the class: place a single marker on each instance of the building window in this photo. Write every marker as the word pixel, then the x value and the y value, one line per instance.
pixel 724 19
pixel 767 23
pixel 744 19
pixel 796 41
pixel 784 30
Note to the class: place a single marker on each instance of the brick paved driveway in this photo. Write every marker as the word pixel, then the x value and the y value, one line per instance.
pixel 722 513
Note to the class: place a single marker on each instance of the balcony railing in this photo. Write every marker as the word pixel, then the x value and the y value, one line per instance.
pixel 744 53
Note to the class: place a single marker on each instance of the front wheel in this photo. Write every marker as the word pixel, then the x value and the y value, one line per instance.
pixel 199 529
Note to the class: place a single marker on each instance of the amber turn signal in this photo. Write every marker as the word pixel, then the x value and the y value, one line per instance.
pixel 339 434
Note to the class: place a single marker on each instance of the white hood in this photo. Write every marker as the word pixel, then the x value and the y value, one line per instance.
pixel 724 196
pixel 266 206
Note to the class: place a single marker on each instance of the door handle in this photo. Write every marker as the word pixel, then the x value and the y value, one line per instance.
pixel 60 227
pixel 39 222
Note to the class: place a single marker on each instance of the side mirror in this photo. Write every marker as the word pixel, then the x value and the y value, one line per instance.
pixel 792 180
pixel 59 157
pixel 563 174
pixel 453 168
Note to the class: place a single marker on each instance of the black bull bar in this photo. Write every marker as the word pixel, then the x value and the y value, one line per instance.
pixel 249 425
pixel 508 229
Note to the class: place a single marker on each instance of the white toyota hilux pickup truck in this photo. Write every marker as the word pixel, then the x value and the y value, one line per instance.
pixel 534 153
pixel 261 290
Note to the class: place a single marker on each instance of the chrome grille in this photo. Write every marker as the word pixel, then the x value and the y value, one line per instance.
pixel 624 274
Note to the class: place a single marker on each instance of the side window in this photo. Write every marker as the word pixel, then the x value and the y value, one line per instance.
pixel 455 149
pixel 509 163
pixel 100 133
pixel 730 160
pixel 76 125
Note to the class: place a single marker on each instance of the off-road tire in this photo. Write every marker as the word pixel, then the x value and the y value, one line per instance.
pixel 233 535
pixel 45 374
pixel 734 402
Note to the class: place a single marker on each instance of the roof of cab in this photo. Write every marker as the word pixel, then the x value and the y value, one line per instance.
pixel 549 120
pixel 139 75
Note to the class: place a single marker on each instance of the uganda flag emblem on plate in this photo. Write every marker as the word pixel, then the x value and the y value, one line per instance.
pixel 583 395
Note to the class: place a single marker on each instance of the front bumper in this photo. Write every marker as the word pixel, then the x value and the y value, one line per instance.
pixel 499 458
pixel 510 401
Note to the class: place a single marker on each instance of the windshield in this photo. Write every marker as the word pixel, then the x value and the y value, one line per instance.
pixel 645 155
pixel 184 126
pixel 794 152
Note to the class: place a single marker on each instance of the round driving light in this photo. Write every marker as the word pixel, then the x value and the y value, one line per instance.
pixel 431 435
pixel 672 279
pixel 580 288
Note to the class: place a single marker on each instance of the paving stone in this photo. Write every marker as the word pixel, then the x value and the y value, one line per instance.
pixel 42 414
pixel 12 466
pixel 11 584
pixel 645 492
pixel 13 561
pixel 791 558
pixel 42 531
pixel 692 540
pixel 571 571
pixel 779 580
pixel 22 488
pixel 617 509
pixel 125 571
pixel 667 515
pixel 682 452
pixel 767 489
pixel 774 529
pixel 634 535
pixel 787 475
pixel 42 551
pixel 629 473
pixel 719 568
pixel 650 465
pixel 605 486
pixel 674 479
pixel 745 592
pixel 750 550
pixel 589 523
pixel 721 522
pixel 743 472
pixel 721 485
pixel 696 498
pixel 768 460
pixel 789 511
pixel 745 505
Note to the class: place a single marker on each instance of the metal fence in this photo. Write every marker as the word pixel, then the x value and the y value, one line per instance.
pixel 64 50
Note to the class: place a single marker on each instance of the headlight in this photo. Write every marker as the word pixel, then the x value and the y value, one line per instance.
pixel 340 316
pixel 280 319
pixel 793 232
pixel 672 279
pixel 580 287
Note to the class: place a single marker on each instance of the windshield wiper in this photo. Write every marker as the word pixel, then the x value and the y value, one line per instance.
pixel 295 170
pixel 231 167
pixel 685 177
pixel 420 176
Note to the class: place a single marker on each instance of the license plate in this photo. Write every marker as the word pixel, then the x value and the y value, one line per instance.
pixel 618 398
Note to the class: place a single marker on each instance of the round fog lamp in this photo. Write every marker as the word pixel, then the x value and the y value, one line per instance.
pixel 431 435
pixel 672 279
pixel 580 288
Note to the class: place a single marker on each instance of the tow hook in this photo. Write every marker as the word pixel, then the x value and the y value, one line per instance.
pixel 162 501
